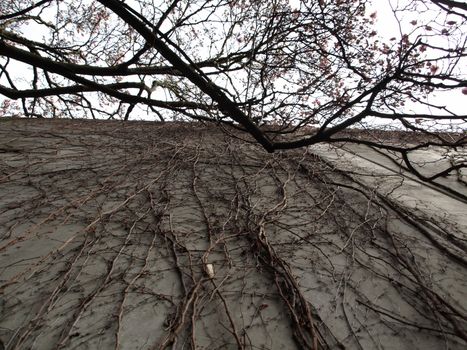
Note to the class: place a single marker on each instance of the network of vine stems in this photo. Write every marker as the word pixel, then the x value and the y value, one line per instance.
pixel 197 239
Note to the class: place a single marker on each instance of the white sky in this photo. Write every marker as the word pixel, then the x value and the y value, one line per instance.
pixel 385 19
pixel 387 27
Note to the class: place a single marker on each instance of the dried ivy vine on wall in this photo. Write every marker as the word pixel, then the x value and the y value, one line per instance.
pixel 154 237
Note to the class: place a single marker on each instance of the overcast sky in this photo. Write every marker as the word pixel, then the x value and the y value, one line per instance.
pixel 387 26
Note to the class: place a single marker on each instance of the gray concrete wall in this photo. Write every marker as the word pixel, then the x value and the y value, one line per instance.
pixel 151 236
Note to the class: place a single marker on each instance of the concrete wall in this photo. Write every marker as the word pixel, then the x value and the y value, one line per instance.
pixel 152 236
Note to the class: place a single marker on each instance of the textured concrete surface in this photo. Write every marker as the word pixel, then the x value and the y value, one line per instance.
pixel 151 236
